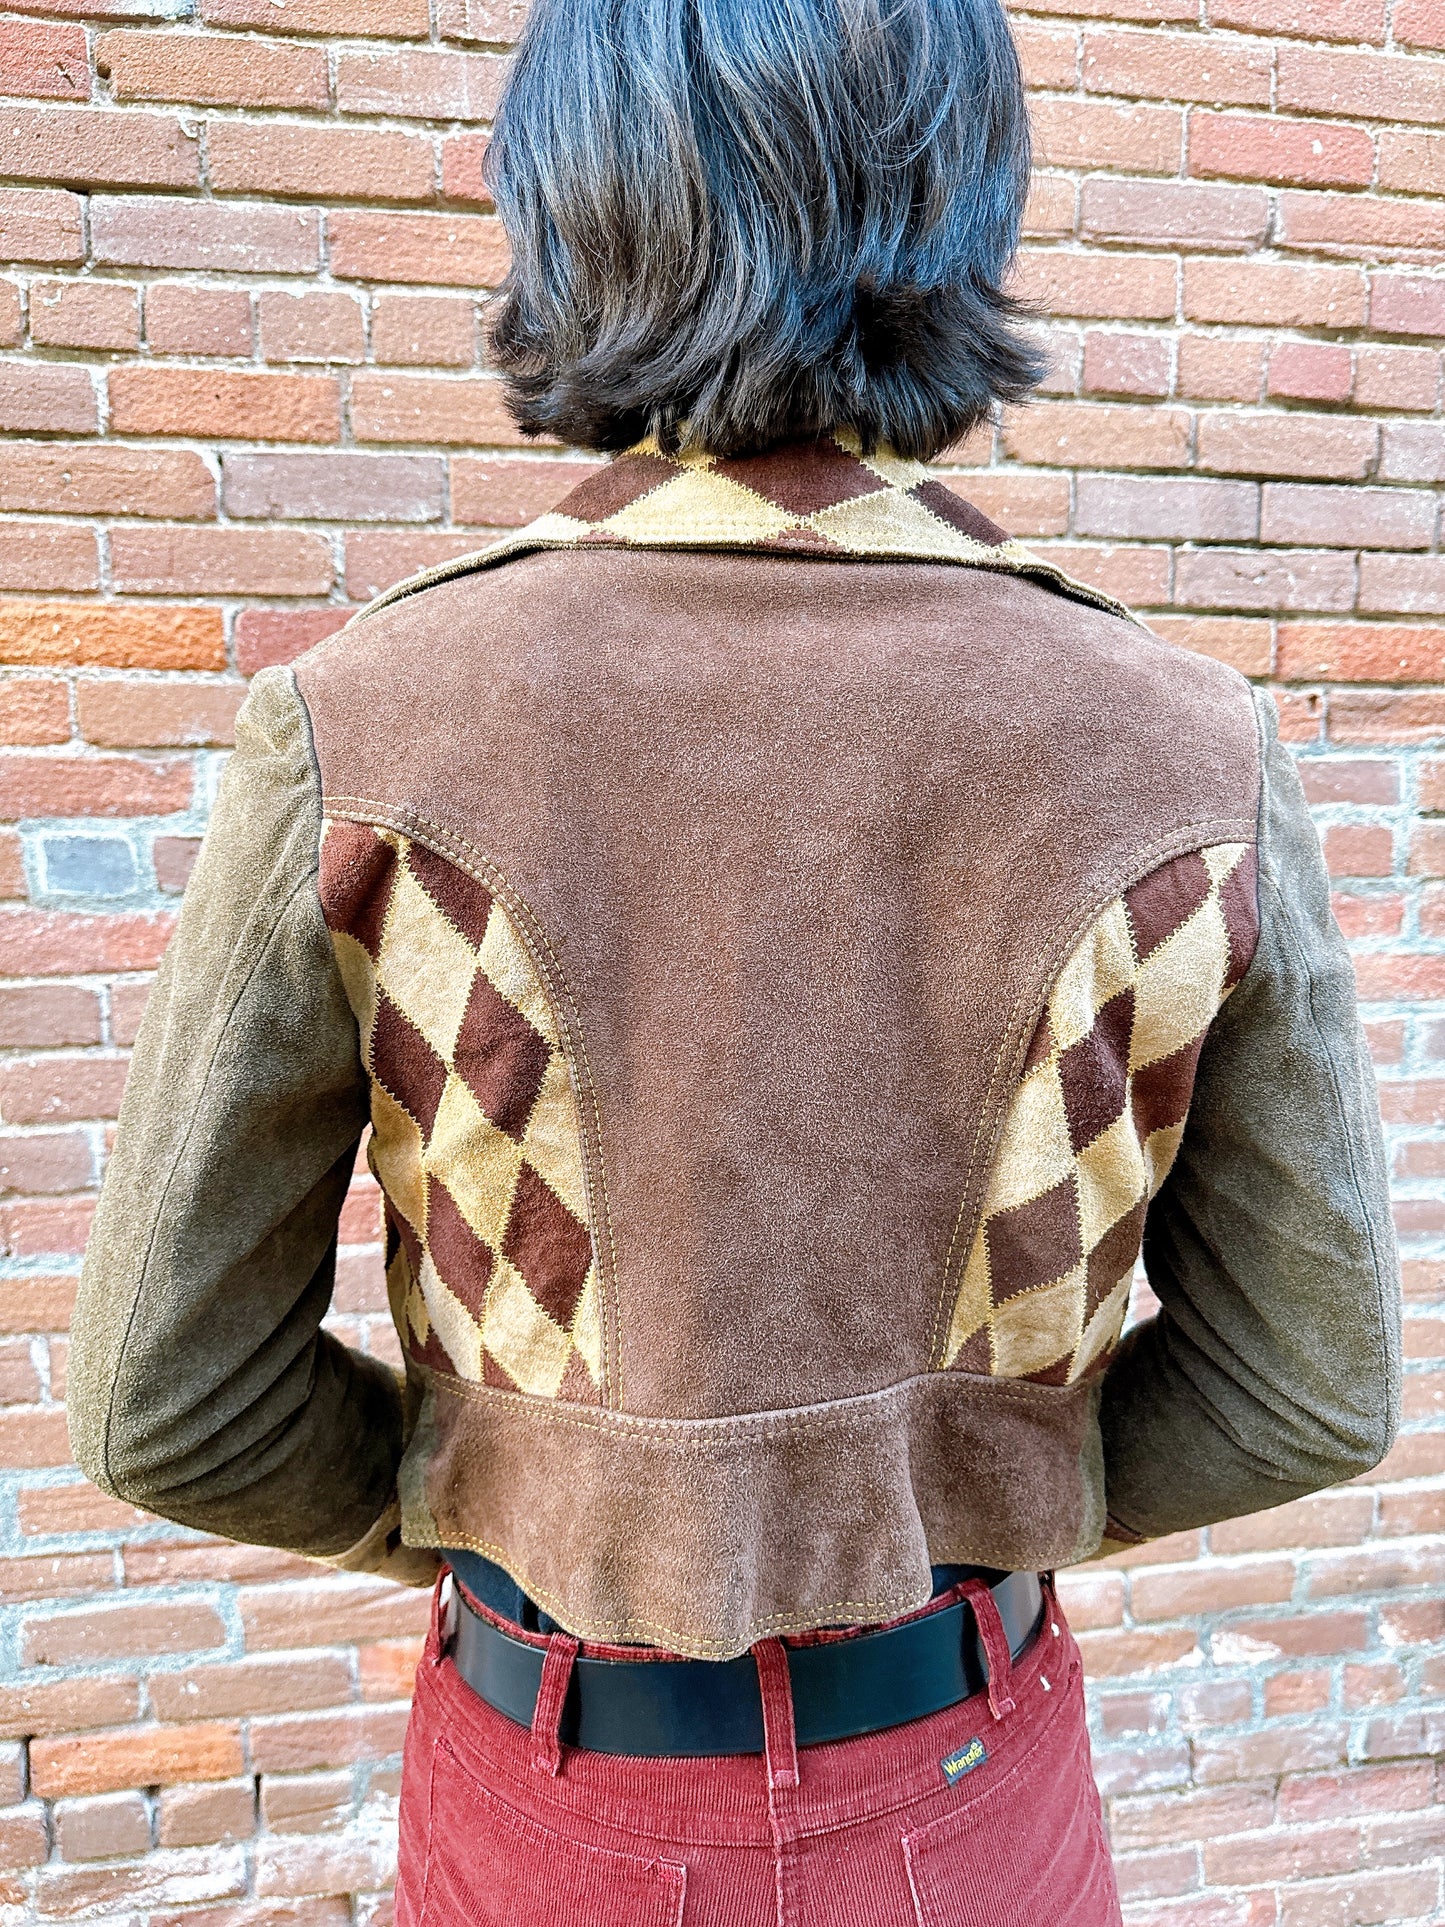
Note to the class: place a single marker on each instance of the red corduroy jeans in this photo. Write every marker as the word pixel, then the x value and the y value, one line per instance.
pixel 985 1815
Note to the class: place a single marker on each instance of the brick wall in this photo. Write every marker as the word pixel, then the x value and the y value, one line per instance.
pixel 241 377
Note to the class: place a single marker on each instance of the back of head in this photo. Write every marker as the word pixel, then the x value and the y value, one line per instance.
pixel 737 222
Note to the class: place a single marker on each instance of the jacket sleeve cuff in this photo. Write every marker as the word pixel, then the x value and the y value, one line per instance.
pixel 382 1551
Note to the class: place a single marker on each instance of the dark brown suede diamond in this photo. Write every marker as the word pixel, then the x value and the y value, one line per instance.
pixel 405 1065
pixel 460 898
pixel 617 486
pixel 958 513
pixel 1162 1089
pixel 1034 1243
pixel 1165 900
pixel 354 882
pixel 462 1261
pixel 499 1057
pixel 1094 1073
pixel 1113 1257
pixel 548 1246
pixel 1239 901
pixel 803 477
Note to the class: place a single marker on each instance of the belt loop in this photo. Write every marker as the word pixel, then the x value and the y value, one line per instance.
pixel 551 1697
pixel 780 1736
pixel 995 1647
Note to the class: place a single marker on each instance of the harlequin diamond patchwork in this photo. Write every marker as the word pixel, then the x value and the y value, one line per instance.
pixel 1097 1119
pixel 475 1136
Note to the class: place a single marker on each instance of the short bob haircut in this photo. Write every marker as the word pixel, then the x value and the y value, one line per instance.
pixel 739 222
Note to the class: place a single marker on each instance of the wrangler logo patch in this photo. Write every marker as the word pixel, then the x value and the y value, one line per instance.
pixel 963 1761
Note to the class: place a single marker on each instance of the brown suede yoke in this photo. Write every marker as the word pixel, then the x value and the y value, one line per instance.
pixel 798 849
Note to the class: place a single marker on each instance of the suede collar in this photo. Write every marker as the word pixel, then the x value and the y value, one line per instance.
pixel 822 499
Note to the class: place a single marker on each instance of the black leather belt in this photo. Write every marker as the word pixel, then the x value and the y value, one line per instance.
pixel 661 1708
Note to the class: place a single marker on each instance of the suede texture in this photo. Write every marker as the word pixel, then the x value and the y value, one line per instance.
pixel 200 1386
pixel 800 846
pixel 1273 1367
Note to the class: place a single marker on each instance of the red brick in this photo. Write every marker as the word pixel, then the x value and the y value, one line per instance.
pixel 329 1612
pixel 111 1890
pixel 174 858
pixel 1432 797
pixel 1191 1591
pixel 1362 1898
pixel 1419 23
pixel 1128 287
pixel 36 710
pixel 290 1743
pixel 199 561
pixel 424 330
pixel 462 158
pixel 1274 294
pixel 36 1303
pixel 1358 652
pixel 1290 445
pixel 421 408
pixel 319 326
pixel 396 19
pixel 84 314
pixel 1369 225
pixel 39 224
pixel 344 164
pixel 11 321
pixel 1137 576
pixel 265 636
pixel 99 479
pixel 1090 133
pixel 24 1840
pixel 204 1815
pixel 1128 364
pixel 41 555
pixel 1411 162
pixel 212 69
pixel 144 231
pixel 44 60
pixel 33 1435
pixel 236 1689
pixel 1310 371
pixel 47 396
pixel 20 1378
pixel 80 147
pixel 1113 1654
pixel 424 86
pixel 135 1756
pixel 1308 19
pixel 54 1090
pixel 91 786
pixel 42 1162
pixel 1282 1857
pixel 222 402
pixel 94 635
pixel 375 559
pixel 98 1829
pixel 1174 214
pixel 1258 147
pixel 1157 508
pixel 1397 377
pixel 457 250
pixel 1359 850
pixel 1069 434
pixel 1244 644
pixel 182 320
pixel 1220 368
pixel 1405 977
pixel 115 1631
pixel 1403 585
pixel 79 1507
pixel 213 1561
pixel 1265 579
pixel 1305 1692
pixel 148 715
pixel 305 1802
pixel 1176 67
pixel 1412 452
pixel 13 882
pixel 1407 304
pixel 1344 779
pixel 1377 518
pixel 1023 504
pixel 1374 86
pixel 336 486
pixel 498 20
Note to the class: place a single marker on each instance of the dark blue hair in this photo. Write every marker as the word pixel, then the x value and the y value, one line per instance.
pixel 736 222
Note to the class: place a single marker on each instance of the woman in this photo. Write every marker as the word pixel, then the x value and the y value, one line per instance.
pixel 790 947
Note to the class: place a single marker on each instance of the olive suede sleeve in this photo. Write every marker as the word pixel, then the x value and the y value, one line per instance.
pixel 201 1385
pixel 1273 1366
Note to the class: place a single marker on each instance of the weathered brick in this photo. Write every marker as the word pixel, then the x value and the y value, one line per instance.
pixel 340 487
pixel 1311 371
pixel 1288 445
pixel 112 1889
pixel 12 327
pixel 43 555
pixel 53 1090
pixel 458 250
pixel 344 164
pixel 1371 226
pixel 286 1743
pixel 1090 133
pixel 1071 434
pixel 204 1815
pixel 1126 287
pixel 1136 365
pixel 1220 368
pixel 376 559
pixel 109 1632
pixel 1407 304
pixel 182 320
pixel 1377 518
pixel 78 147
pixel 1311 19
pixel 84 314
pixel 462 158
pixel 144 231
pixel 1174 213
pixel 97 479
pixel 1419 23
pixel 1166 508
pixel 40 397
pixel 318 326
pixel 214 70
pixel 1374 86
pixel 225 402
pixel 266 636
pixel 496 20
pixel 102 1827
pixel 424 330
pixel 1274 294
pixel 1265 579
pixel 394 19
pixel 45 60
pixel 36 710
pixel 200 561
pixel 428 408
pixel 424 86
pixel 1402 585
pixel 1410 161
pixel 1171 66
pixel 1389 377
pixel 145 715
